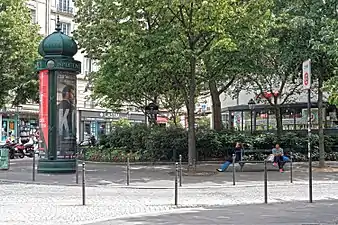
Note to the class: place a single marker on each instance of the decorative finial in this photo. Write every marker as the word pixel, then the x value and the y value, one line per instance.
pixel 58 24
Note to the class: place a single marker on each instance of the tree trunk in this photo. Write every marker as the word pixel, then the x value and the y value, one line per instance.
pixel 216 106
pixel 320 122
pixel 192 155
pixel 278 121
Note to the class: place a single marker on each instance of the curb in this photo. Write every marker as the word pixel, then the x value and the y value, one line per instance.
pixel 4 181
pixel 151 163
pixel 200 163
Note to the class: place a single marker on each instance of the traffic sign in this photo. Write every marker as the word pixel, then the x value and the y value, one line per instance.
pixel 307 74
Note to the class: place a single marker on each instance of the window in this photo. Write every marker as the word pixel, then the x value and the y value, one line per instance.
pixel 33 15
pixel 87 65
pixel 65 28
pixel 64 6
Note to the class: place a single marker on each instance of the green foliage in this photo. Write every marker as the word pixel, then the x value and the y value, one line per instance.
pixel 165 144
pixel 18 50
pixel 203 122
pixel 123 122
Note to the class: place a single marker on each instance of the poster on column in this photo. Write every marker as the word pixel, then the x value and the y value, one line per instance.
pixel 66 114
pixel 43 113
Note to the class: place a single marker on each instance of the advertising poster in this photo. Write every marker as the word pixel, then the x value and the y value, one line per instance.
pixel 66 114
pixel 43 113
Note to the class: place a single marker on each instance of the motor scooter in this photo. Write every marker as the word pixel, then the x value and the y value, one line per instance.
pixel 15 149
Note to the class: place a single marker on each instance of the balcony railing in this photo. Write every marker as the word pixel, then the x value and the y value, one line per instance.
pixel 65 9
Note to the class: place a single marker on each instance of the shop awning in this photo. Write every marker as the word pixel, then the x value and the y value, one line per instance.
pixel 162 119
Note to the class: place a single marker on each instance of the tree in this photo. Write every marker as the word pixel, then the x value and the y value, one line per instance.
pixel 173 101
pixel 18 49
pixel 140 42
pixel 317 21
pixel 224 62
pixel 275 64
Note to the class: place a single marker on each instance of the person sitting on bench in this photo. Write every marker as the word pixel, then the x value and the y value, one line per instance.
pixel 278 157
pixel 237 152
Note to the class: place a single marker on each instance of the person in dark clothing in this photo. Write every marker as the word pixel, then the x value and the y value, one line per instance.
pixel 238 152
pixel 66 137
pixel 65 110
pixel 278 158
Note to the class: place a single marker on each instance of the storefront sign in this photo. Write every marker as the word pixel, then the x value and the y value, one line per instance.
pixel 4 159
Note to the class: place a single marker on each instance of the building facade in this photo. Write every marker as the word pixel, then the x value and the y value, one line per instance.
pixel 237 114
pixel 91 118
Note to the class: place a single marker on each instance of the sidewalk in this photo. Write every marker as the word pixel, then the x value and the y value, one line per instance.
pixel 293 213
pixel 23 204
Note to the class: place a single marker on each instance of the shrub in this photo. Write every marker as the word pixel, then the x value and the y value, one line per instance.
pixel 165 144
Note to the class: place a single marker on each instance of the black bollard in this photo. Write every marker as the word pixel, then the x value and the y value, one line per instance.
pixel 180 172
pixel 176 183
pixel 128 171
pixel 291 168
pixel 83 184
pixel 34 162
pixel 265 183
pixel 233 169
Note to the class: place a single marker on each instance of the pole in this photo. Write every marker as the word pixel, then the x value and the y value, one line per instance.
pixel 265 183
pixel 83 184
pixel 233 169
pixel 176 183
pixel 251 121
pixel 128 171
pixel 34 166
pixel 77 171
pixel 309 143
pixel 180 171
pixel 291 168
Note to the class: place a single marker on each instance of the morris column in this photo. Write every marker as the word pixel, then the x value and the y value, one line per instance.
pixel 57 75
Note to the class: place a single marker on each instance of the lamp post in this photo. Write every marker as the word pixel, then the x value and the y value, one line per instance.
pixel 251 104
pixel 152 110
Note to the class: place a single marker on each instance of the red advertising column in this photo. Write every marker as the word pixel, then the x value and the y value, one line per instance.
pixel 43 114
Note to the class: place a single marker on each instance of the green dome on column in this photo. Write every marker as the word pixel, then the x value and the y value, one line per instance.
pixel 58 44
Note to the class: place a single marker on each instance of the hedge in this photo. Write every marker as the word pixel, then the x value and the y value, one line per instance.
pixel 165 144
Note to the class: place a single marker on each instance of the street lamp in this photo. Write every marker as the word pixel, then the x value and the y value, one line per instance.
pixel 252 105
pixel 152 110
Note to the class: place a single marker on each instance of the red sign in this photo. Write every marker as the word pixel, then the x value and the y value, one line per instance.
pixel 43 114
pixel 306 79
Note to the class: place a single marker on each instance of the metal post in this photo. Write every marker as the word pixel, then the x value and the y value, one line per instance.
pixel 83 184
pixel 233 169
pixel 128 171
pixel 291 168
pixel 309 143
pixel 176 183
pixel 34 165
pixel 251 122
pixel 77 171
pixel 194 164
pixel 180 171
pixel 265 183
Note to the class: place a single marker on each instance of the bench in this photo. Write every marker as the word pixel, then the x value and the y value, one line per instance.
pixel 264 151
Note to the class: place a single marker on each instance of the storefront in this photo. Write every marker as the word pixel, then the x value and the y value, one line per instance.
pixel 263 117
pixel 23 123
pixel 99 122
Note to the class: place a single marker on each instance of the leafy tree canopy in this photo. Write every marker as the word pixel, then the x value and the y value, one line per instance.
pixel 18 49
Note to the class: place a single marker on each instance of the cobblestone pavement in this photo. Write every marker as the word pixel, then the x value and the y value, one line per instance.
pixel 319 213
pixel 103 174
pixel 26 204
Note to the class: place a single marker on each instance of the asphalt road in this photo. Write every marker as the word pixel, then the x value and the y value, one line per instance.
pixel 318 213
pixel 104 174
